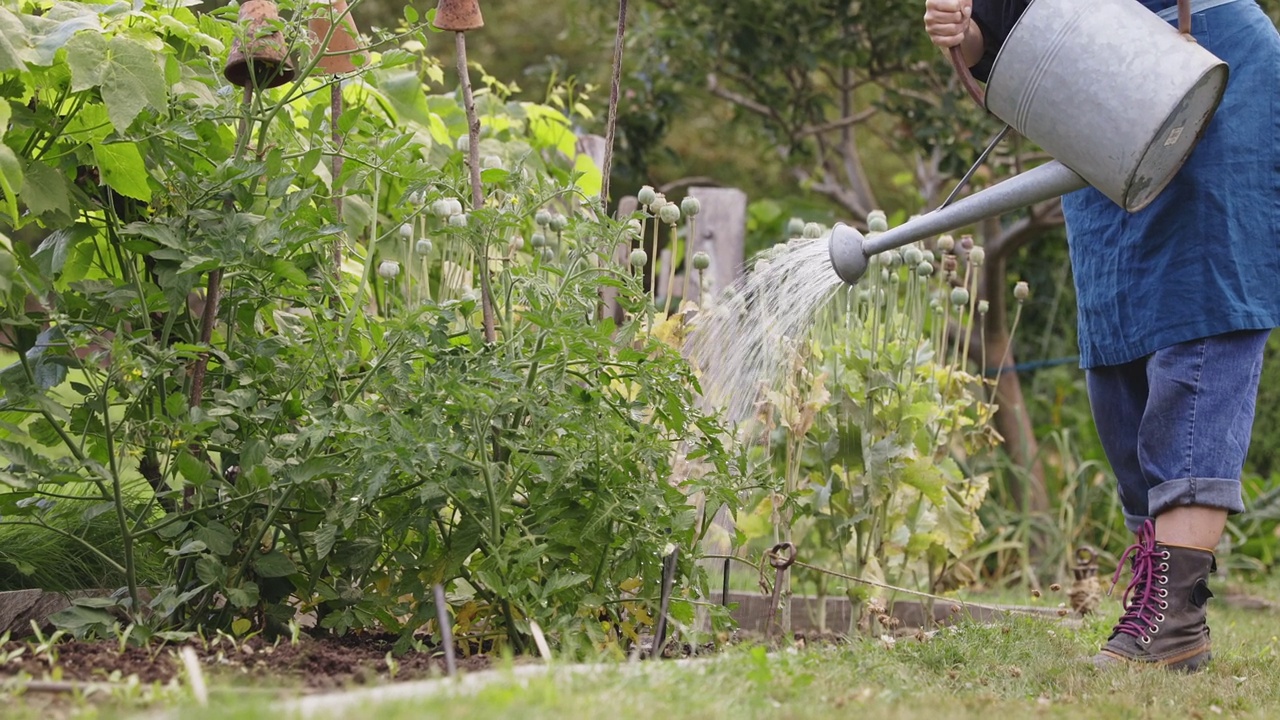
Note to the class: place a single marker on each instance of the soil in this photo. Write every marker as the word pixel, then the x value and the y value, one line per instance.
pixel 312 664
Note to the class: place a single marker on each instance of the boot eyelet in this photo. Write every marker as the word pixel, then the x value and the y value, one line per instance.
pixel 1164 579
pixel 1146 640
pixel 1164 592
pixel 1159 617
pixel 1153 629
pixel 1164 605
pixel 1165 555
pixel 1164 567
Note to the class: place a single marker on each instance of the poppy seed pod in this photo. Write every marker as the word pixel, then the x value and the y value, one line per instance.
pixel 690 206
pixel 646 195
pixel 458 15
pixel 795 227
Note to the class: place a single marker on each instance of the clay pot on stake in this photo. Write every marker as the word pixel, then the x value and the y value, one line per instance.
pixel 458 15
pixel 335 39
pixel 259 59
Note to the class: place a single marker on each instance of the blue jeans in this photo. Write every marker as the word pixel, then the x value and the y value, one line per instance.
pixel 1175 424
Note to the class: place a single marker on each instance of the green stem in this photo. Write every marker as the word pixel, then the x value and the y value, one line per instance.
pixel 122 516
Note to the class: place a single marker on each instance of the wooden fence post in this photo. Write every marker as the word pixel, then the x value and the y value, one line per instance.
pixel 722 234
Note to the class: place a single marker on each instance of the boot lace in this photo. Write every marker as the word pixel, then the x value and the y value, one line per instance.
pixel 1145 596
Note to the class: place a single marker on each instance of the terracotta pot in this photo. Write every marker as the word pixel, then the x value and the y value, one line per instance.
pixel 459 15
pixel 345 39
pixel 261 58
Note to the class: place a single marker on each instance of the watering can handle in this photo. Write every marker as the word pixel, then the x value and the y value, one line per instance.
pixel 966 77
pixel 975 90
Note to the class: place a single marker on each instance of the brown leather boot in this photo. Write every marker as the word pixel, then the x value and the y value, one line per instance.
pixel 1164 619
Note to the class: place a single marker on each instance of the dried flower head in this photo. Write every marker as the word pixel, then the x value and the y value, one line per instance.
pixel 669 214
pixel 701 261
pixel 1022 291
pixel 388 270
pixel 646 195
pixel 812 230
pixel 946 243
pixel 639 258
pixel 542 217
pixel 423 246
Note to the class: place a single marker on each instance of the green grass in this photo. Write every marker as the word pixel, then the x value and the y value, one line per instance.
pixel 1023 668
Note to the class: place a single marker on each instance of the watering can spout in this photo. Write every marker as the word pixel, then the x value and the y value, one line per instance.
pixel 851 250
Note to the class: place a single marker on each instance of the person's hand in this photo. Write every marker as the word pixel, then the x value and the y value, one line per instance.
pixel 947 21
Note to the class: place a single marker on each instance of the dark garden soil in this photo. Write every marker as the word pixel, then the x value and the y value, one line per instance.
pixel 311 664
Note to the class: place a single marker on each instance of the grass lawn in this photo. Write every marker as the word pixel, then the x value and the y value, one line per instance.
pixel 1026 667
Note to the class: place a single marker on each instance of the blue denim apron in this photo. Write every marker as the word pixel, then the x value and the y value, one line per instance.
pixel 1204 258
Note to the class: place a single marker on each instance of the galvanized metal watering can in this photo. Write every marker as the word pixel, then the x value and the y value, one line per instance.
pixel 1112 92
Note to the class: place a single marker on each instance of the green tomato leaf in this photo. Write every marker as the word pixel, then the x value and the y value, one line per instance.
pixel 243 597
pixel 218 537
pixel 122 169
pixel 274 564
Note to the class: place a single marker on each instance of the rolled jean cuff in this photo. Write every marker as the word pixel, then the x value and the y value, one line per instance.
pixel 1222 493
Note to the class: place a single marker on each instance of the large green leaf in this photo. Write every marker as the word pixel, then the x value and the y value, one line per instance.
pixel 12 36
pixel 122 169
pixel 45 190
pixel 128 73
pixel 10 180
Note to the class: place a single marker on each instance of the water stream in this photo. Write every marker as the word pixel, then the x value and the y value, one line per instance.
pixel 740 344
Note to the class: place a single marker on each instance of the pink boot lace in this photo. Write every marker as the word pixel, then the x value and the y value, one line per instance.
pixel 1144 598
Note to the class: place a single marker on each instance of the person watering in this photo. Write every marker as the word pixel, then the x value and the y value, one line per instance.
pixel 1175 305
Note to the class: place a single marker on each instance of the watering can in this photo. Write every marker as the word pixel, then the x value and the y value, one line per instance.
pixel 1112 92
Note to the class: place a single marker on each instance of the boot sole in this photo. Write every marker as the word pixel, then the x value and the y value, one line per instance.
pixel 1190 661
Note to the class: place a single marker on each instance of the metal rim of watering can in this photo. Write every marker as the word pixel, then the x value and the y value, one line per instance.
pixel 975 90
